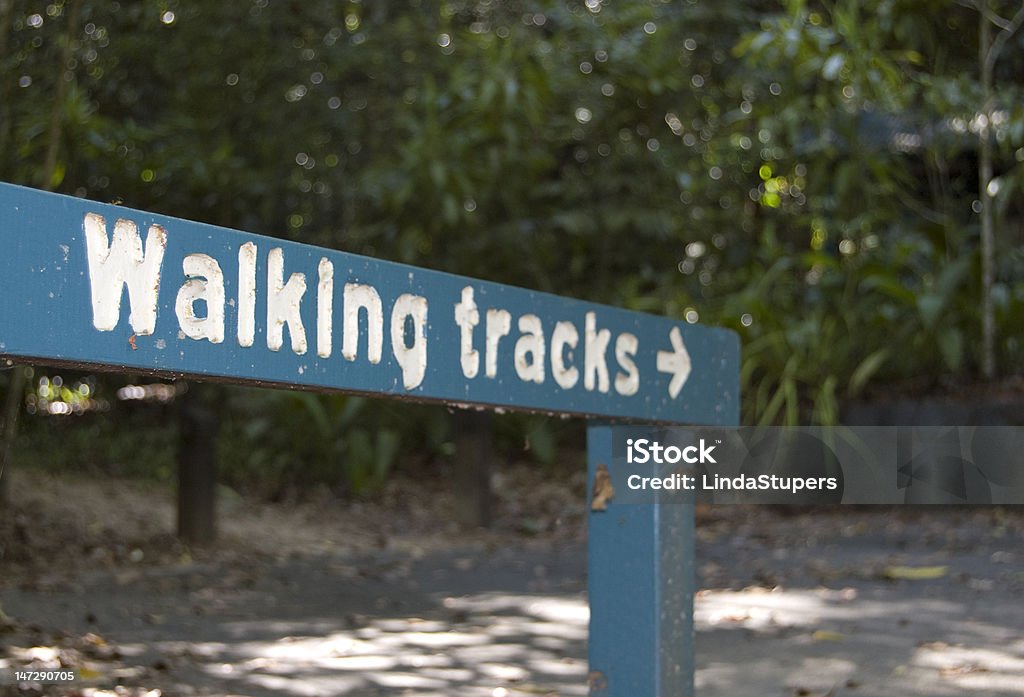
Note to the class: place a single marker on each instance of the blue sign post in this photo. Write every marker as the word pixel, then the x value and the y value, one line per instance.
pixel 106 287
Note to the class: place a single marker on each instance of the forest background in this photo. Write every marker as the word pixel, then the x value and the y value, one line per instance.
pixel 840 182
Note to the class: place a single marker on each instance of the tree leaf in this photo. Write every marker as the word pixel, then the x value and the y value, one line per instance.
pixel 867 367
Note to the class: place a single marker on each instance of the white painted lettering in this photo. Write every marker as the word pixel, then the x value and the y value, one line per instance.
pixel 627 381
pixel 467 317
pixel 412 359
pixel 284 301
pixel 594 361
pixel 529 351
pixel 564 338
pixel 358 296
pixel 246 294
pixel 324 308
pixel 499 324
pixel 206 283
pixel 119 263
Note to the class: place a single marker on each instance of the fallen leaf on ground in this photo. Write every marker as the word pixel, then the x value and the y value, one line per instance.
pixel 825 635
pixel 953 671
pixel 915 573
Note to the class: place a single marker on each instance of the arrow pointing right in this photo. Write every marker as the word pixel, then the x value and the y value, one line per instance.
pixel 675 362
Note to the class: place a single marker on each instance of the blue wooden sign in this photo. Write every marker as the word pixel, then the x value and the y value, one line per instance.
pixel 101 285
pixel 106 287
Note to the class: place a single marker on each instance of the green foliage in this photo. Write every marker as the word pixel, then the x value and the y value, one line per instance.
pixel 536 437
pixel 127 442
pixel 869 189
pixel 278 442
pixel 830 324
pixel 803 172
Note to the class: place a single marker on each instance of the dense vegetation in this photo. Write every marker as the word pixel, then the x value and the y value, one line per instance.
pixel 826 178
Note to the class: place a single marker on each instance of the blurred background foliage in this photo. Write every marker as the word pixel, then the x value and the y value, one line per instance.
pixel 806 173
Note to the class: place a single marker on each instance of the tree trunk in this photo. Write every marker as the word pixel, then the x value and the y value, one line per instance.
pixel 988 323
pixel 6 85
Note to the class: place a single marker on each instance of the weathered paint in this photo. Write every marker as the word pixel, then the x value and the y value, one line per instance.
pixel 411 356
pixel 499 324
pixel 325 309
pixel 467 316
pixel 205 282
pixel 284 304
pixel 208 301
pixel 675 362
pixel 362 297
pixel 121 262
pixel 246 295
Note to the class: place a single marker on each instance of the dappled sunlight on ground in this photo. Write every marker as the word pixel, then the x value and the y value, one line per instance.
pixel 873 604
pixel 821 640
pixel 492 644
pixel 874 641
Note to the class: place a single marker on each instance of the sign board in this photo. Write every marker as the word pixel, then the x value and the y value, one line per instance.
pixel 106 287
pixel 100 285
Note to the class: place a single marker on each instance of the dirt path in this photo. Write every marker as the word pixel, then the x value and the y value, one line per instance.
pixel 386 600
pixel 869 602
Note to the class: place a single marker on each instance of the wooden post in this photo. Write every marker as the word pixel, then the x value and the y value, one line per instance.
pixel 198 423
pixel 474 450
pixel 13 405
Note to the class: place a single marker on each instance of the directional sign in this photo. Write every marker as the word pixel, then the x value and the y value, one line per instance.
pixel 92 284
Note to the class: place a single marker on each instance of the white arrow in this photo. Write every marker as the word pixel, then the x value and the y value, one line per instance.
pixel 676 362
